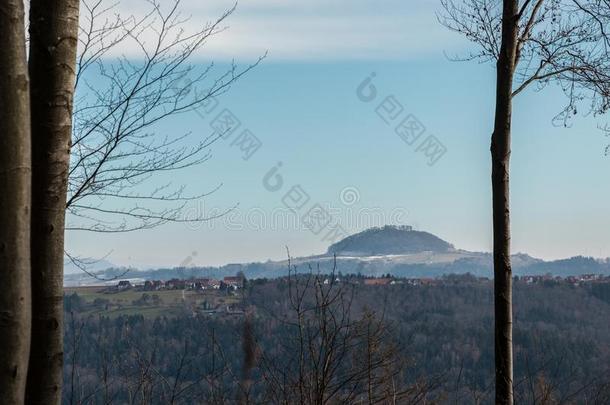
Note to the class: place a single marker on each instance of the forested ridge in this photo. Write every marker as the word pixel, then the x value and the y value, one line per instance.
pixel 440 337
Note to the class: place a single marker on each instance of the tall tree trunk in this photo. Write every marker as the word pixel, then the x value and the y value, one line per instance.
pixel 500 159
pixel 52 64
pixel 15 299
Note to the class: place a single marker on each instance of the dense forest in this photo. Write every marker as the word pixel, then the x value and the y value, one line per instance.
pixel 343 342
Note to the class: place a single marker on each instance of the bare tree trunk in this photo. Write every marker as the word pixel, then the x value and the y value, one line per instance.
pixel 500 158
pixel 52 64
pixel 15 165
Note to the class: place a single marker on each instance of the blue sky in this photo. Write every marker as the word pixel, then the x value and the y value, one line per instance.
pixel 301 103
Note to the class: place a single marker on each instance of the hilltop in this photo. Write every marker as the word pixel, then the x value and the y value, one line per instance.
pixel 389 240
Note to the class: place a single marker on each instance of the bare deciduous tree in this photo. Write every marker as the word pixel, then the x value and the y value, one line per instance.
pixel 533 43
pixel 52 61
pixel 15 172
pixel 134 374
pixel 90 159
pixel 119 101
pixel 332 355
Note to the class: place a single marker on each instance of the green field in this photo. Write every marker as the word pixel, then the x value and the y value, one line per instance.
pixel 105 301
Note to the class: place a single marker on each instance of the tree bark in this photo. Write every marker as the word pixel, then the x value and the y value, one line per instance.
pixel 15 299
pixel 500 160
pixel 52 65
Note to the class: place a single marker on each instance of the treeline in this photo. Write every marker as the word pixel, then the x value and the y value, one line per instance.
pixel 305 341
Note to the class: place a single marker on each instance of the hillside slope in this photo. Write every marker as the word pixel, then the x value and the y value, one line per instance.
pixel 389 240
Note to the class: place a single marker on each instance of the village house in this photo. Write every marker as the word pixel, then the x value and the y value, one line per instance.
pixel 233 282
pixel 590 277
pixel 153 285
pixel 328 281
pixel 531 279
pixel 378 281
pixel 584 278
pixel 206 284
pixel 193 284
pixel 537 279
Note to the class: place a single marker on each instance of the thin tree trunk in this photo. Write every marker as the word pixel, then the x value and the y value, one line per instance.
pixel 15 299
pixel 500 158
pixel 52 64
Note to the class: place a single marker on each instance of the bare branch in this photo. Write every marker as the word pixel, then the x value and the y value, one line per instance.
pixel 115 151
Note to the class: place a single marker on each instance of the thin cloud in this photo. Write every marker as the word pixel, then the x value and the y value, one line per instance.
pixel 316 30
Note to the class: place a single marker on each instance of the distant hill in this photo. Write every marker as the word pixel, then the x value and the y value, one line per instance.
pixel 397 250
pixel 389 240
pixel 569 267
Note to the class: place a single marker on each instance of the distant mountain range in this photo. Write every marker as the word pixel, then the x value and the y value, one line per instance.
pixel 397 250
